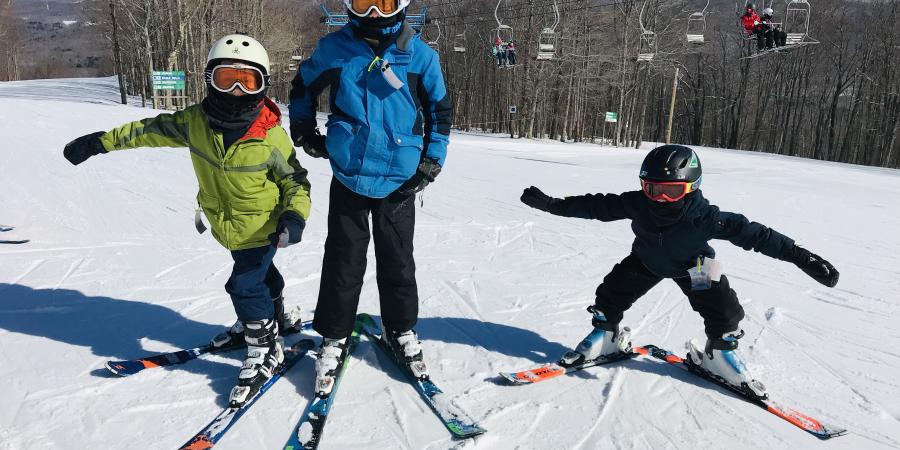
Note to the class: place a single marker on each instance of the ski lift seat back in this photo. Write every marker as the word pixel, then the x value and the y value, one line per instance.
pixel 696 28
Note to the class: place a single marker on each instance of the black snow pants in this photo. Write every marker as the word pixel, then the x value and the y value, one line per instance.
pixel 629 280
pixel 344 263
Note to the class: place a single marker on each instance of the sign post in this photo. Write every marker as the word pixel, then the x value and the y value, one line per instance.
pixel 168 81
pixel 611 117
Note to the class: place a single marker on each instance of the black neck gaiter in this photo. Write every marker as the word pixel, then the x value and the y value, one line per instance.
pixel 668 213
pixel 378 29
pixel 231 113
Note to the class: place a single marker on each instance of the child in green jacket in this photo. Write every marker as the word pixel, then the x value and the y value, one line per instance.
pixel 253 190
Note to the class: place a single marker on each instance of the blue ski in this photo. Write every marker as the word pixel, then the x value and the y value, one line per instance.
pixel 210 435
pixel 460 424
pixel 309 431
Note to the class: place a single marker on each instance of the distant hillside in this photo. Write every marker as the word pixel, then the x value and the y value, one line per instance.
pixel 60 39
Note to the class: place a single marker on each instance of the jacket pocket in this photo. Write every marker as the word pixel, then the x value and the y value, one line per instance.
pixel 406 152
pixel 339 141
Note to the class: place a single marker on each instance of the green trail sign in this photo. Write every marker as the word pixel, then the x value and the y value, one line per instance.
pixel 168 80
pixel 612 116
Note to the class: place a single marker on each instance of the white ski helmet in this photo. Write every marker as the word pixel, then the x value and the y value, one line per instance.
pixel 768 12
pixel 240 47
pixel 363 8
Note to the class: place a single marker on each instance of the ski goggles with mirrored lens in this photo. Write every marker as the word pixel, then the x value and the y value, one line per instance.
pixel 225 77
pixel 669 191
pixel 362 8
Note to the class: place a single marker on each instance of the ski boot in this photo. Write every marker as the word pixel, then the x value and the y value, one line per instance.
pixel 288 322
pixel 408 349
pixel 605 341
pixel 329 362
pixel 720 360
pixel 265 352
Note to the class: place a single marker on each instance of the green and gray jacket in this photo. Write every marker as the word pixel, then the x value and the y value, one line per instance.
pixel 244 188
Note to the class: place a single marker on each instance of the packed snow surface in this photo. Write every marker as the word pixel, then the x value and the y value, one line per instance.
pixel 115 270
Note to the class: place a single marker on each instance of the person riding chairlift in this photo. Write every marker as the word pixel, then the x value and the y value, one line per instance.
pixel 511 53
pixel 775 36
pixel 754 26
pixel 499 52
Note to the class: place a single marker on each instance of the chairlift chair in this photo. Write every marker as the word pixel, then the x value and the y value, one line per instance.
pixel 434 43
pixel 547 39
pixel 546 45
pixel 696 28
pixel 796 21
pixel 505 33
pixel 648 46
pixel 647 49
pixel 459 43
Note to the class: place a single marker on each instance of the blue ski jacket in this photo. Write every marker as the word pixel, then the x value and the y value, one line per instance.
pixel 670 250
pixel 380 126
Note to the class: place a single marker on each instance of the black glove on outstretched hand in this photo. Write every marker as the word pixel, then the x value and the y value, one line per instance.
pixel 310 139
pixel 82 148
pixel 535 198
pixel 814 265
pixel 289 230
pixel 427 171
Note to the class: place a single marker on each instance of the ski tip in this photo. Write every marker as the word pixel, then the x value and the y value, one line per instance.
pixel 120 368
pixel 509 378
pixel 462 430
pixel 200 442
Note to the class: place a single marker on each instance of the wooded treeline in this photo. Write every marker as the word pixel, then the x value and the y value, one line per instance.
pixel 165 35
pixel 838 100
pixel 10 37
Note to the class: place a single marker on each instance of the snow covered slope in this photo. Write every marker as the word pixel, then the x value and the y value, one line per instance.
pixel 115 270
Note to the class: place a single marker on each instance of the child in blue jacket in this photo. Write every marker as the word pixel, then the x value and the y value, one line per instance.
pixel 673 223
pixel 387 139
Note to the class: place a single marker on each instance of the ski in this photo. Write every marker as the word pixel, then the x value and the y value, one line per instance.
pixel 553 370
pixel 6 228
pixel 133 366
pixel 211 433
pixel 311 427
pixel 815 427
pixel 19 241
pixel 460 424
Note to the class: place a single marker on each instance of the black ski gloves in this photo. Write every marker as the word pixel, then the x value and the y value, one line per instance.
pixel 309 138
pixel 79 150
pixel 289 230
pixel 427 171
pixel 814 265
pixel 535 198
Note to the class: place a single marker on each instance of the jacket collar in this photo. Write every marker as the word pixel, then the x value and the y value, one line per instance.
pixel 269 116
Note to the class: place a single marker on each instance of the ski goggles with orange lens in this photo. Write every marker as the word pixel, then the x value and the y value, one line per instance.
pixel 669 191
pixel 225 77
pixel 387 8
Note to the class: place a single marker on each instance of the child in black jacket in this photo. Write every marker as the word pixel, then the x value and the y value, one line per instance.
pixel 673 223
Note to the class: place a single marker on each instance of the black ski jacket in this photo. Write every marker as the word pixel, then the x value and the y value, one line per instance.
pixel 669 251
